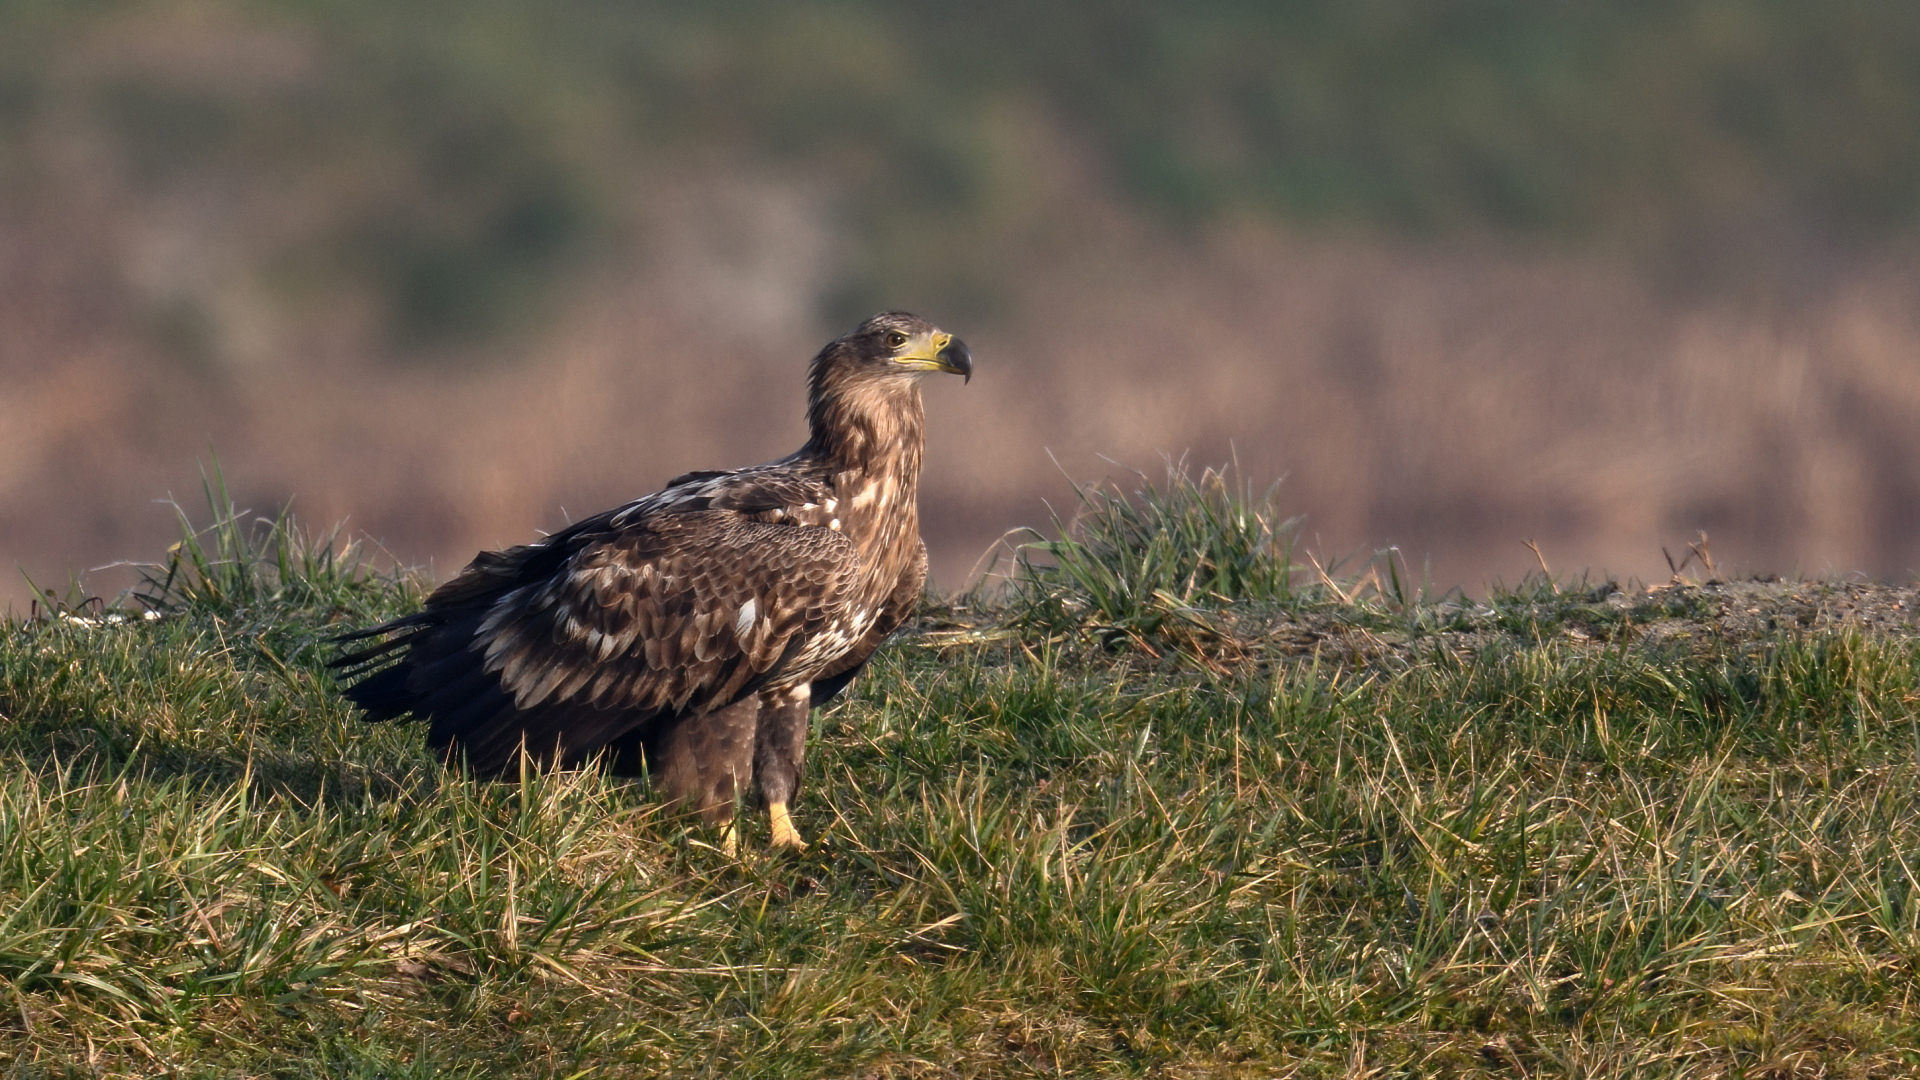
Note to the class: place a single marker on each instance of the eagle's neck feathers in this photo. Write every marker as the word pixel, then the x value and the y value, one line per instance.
pixel 867 434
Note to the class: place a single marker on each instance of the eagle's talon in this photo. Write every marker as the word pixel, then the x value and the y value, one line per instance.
pixel 784 834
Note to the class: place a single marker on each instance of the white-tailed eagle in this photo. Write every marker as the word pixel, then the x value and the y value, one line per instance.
pixel 690 632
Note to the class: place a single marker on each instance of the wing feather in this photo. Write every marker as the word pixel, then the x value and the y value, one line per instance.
pixel 678 603
pixel 661 601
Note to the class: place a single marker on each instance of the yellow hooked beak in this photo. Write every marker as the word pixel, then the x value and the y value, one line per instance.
pixel 937 351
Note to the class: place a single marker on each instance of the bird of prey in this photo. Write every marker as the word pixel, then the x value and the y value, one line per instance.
pixel 690 632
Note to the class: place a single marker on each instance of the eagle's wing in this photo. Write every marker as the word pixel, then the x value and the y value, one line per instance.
pixel 679 613
pixel 678 603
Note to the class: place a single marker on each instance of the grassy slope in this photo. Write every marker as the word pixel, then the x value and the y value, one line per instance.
pixel 1550 836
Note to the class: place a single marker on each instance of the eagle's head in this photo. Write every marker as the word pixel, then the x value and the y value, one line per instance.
pixel 894 344
pixel 863 391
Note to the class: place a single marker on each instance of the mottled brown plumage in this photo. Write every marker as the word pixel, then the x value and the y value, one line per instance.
pixel 689 632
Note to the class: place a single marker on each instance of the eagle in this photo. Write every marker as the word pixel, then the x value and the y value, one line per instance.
pixel 688 634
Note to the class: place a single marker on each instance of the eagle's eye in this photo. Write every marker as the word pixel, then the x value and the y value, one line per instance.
pixel 895 339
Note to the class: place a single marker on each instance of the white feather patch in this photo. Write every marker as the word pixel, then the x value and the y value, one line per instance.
pixel 749 611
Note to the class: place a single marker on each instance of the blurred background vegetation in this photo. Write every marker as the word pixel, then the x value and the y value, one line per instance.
pixel 259 223
pixel 463 155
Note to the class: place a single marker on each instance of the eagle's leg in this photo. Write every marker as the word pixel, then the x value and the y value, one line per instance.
pixel 784 834
pixel 780 746
pixel 707 760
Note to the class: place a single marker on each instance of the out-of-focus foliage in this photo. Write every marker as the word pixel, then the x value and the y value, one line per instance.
pixel 460 155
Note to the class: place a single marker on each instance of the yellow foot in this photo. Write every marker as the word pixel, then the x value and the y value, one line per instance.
pixel 784 834
pixel 730 841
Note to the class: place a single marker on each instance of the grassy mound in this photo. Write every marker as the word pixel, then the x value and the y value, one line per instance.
pixel 1334 827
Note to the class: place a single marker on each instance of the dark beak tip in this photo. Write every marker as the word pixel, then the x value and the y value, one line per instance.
pixel 957 357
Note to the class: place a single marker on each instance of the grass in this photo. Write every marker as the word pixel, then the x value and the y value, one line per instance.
pixel 1128 565
pixel 1497 847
